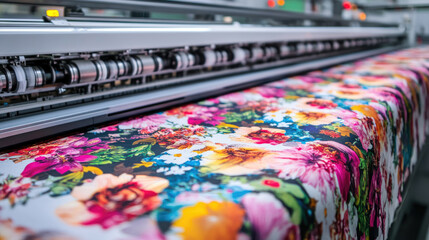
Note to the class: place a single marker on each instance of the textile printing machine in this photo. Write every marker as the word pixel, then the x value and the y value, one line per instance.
pixel 50 84
pixel 63 74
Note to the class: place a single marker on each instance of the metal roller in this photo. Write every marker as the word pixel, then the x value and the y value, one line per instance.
pixel 247 53
pixel 199 58
pixel 292 49
pixel 31 77
pixel 134 67
pixel 122 67
pixel 148 64
pixel 327 46
pixel 239 55
pixel 275 51
pixel 20 78
pixel 177 61
pixel 51 74
pixel 301 48
pixel 270 52
pixel 11 80
pixel 218 57
pixel 112 68
pixel 346 44
pixel 139 65
pixel 335 45
pixel 320 47
pixel 257 53
pixel 183 60
pixel 3 81
pixel 40 77
pixel 87 70
pixel 284 50
pixel 35 76
pixel 267 52
pixel 191 59
pixel 102 71
pixel 72 73
pixel 159 63
pixel 309 47
pixel 209 58
pixel 224 55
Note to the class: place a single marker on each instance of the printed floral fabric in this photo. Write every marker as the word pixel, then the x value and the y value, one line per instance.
pixel 323 155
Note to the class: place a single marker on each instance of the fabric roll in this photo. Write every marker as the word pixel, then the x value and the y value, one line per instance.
pixel 322 155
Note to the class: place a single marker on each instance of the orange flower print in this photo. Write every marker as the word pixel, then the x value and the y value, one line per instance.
pixel 213 220
pixel 330 133
pixel 372 113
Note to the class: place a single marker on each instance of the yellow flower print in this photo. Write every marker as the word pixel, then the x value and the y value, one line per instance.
pixel 238 160
pixel 313 118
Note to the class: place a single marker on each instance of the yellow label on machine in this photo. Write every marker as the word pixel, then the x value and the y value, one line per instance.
pixel 52 13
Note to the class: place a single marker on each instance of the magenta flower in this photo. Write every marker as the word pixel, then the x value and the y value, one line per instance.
pixel 66 160
pixel 237 98
pixel 268 92
pixel 89 145
pixel 322 164
pixel 147 124
pixel 268 217
pixel 199 114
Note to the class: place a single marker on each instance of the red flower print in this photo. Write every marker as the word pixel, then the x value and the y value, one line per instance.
pixel 109 200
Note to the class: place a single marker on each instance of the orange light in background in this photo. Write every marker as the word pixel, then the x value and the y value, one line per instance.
pixel 52 13
pixel 271 3
pixel 347 5
pixel 281 2
pixel 362 16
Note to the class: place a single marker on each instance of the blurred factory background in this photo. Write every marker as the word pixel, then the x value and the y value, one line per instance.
pixel 412 14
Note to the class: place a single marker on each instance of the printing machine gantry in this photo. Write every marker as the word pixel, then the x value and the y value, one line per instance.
pixel 64 74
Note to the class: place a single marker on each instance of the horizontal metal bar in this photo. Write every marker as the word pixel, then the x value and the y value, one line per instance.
pixel 48 123
pixel 140 20
pixel 124 36
pixel 39 22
